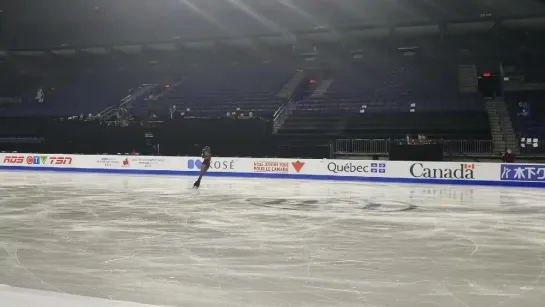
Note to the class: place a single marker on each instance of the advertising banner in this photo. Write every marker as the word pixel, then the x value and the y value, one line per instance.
pixel 462 171
pixel 277 166
pixel 218 164
pixel 523 172
pixel 356 168
pixel 274 167
pixel 325 169
pixel 112 162
pixel 42 160
pixel 145 162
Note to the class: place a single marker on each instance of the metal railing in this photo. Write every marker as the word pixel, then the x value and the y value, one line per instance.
pixel 382 146
pixel 135 93
pixel 362 146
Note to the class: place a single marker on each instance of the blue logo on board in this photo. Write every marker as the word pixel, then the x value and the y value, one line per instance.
pixel 378 168
pixel 522 172
pixel 194 164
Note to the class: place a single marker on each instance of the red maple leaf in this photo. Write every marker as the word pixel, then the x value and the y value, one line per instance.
pixel 298 165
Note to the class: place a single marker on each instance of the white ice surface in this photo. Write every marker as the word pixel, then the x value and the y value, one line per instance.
pixel 18 297
pixel 245 242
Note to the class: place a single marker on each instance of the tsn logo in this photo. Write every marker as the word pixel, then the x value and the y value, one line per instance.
pixel 37 160
pixel 60 160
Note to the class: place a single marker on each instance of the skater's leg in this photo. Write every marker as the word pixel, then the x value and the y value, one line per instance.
pixel 204 169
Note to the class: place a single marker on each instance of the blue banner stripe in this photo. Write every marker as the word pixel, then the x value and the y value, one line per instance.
pixel 283 176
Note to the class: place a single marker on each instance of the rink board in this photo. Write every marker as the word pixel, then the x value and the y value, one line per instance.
pixel 452 173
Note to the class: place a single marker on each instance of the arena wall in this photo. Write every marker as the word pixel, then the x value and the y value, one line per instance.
pixel 490 174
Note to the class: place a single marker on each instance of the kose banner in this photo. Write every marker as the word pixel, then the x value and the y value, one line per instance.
pixel 350 167
pixel 215 165
pixel 463 171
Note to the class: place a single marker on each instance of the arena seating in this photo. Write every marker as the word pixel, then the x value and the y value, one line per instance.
pixel 531 124
pixel 11 86
pixel 207 92
pixel 75 95
pixel 213 93
pixel 532 67
pixel 437 125
pixel 374 100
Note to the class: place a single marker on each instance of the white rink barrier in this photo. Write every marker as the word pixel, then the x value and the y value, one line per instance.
pixel 529 175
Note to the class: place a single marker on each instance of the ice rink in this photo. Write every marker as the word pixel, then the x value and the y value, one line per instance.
pixel 245 242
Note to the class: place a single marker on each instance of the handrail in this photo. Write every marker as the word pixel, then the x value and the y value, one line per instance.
pixel 135 93
pixel 279 110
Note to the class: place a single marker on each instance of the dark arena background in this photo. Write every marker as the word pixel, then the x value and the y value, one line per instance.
pixel 409 80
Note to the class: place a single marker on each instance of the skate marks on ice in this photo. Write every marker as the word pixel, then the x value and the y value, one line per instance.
pixel 338 205
pixel 270 243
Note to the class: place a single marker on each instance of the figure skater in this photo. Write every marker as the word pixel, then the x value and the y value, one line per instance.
pixel 206 154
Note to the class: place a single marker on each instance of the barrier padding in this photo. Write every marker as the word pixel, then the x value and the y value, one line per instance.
pixel 450 173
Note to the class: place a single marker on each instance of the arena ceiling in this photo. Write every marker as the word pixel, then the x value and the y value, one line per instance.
pixel 98 26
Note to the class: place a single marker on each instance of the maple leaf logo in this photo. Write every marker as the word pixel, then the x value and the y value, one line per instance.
pixel 298 165
pixel 469 166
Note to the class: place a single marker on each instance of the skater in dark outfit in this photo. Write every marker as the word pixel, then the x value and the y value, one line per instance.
pixel 207 158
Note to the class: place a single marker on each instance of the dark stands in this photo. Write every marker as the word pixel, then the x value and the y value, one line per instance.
pixel 436 125
pixel 216 91
pixel 527 109
pixel 388 96
pixel 184 137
